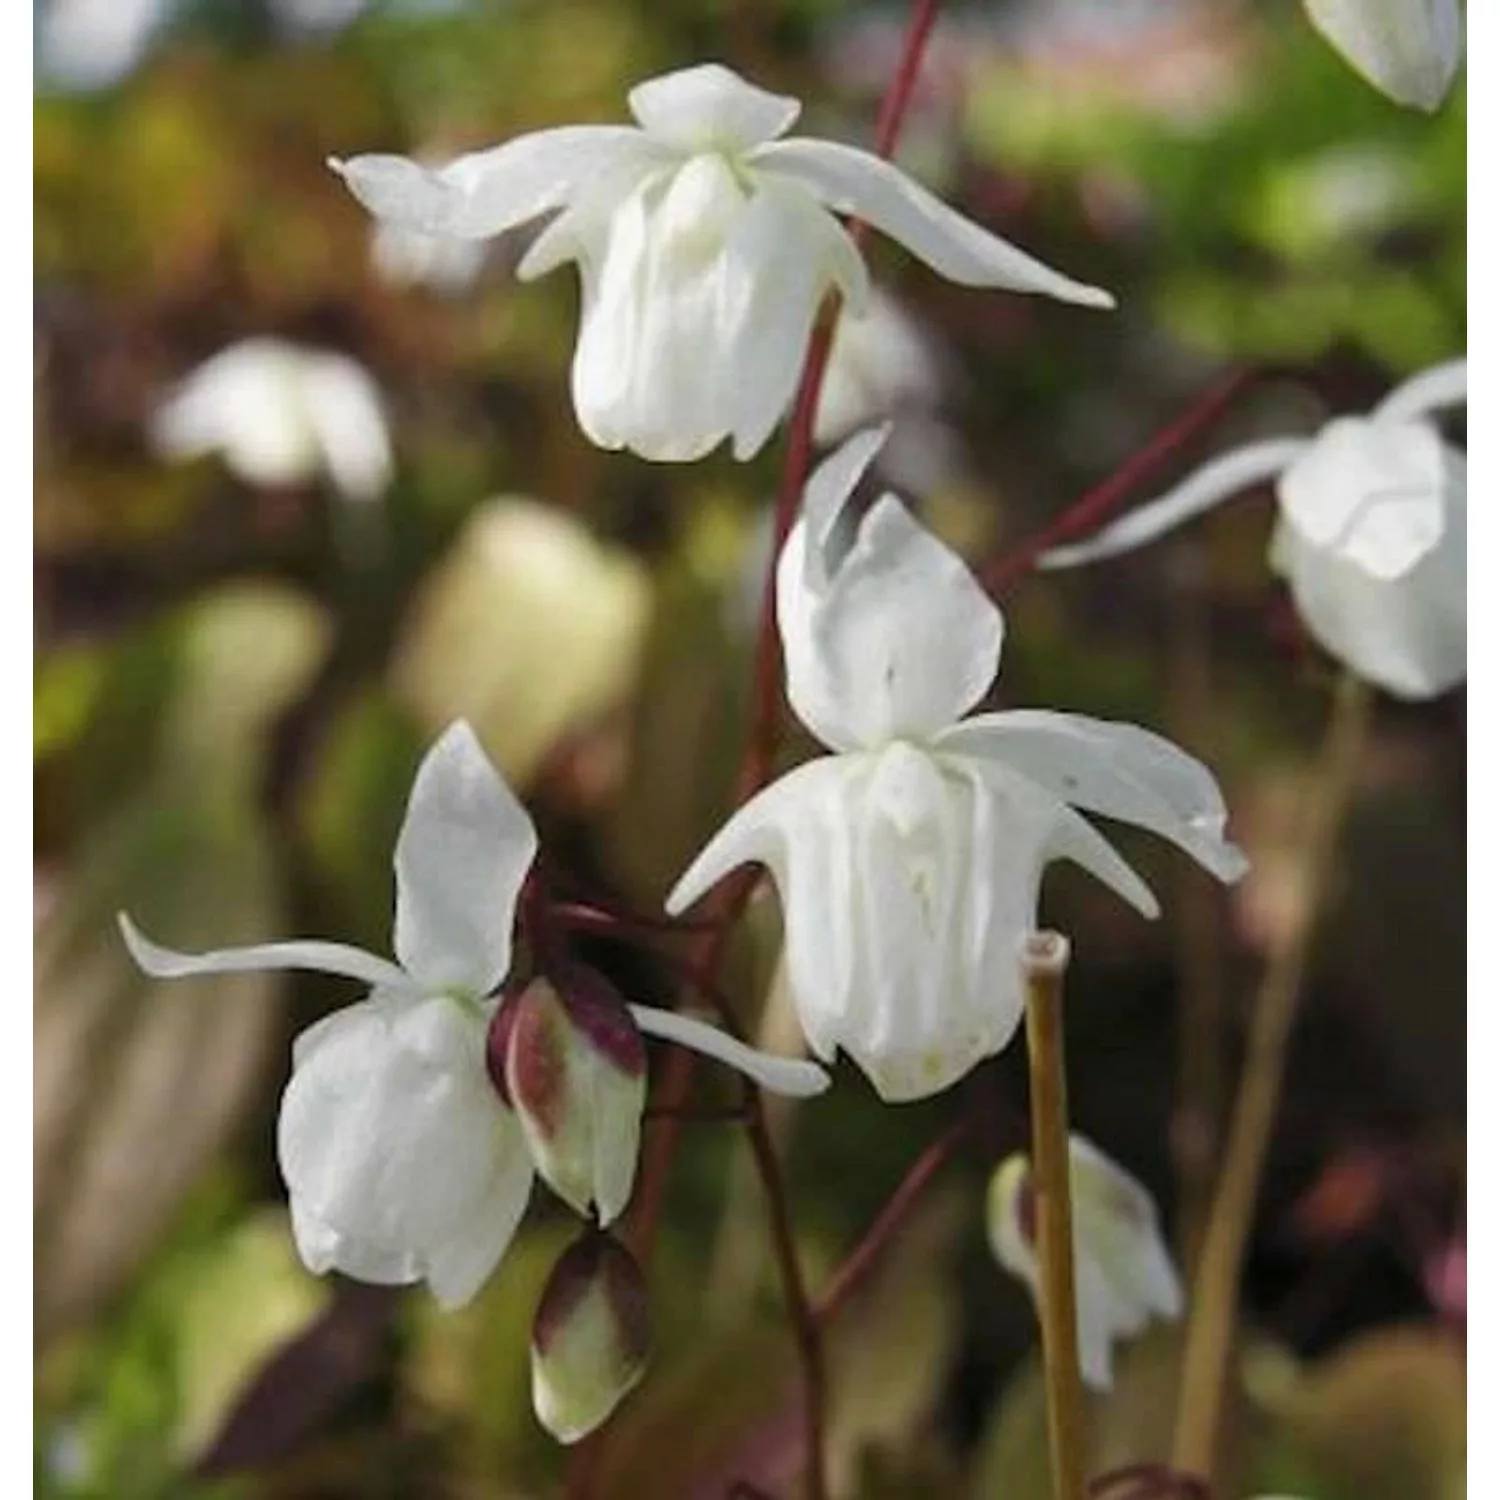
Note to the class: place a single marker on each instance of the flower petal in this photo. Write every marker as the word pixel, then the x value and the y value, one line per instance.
pixel 1409 49
pixel 710 108
pixel 792 1076
pixel 324 1249
pixel 348 420
pixel 456 1268
pixel 1119 770
pixel 854 182
pixel 1446 384
pixel 895 639
pixel 464 850
pixel 488 191
pixel 317 957
pixel 1215 482
pixel 799 827
pixel 1370 491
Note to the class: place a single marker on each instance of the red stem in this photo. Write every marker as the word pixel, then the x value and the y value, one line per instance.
pixel 1092 508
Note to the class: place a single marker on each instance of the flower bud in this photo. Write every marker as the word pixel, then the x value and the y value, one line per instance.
pixel 590 1337
pixel 568 1059
pixel 1122 1270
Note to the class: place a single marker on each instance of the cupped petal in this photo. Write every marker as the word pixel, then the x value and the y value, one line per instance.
pixel 462 1262
pixel 1442 385
pixel 1118 770
pixel 710 108
pixel 486 192
pixel 317 957
pixel 464 850
pixel 894 639
pixel 851 181
pixel 778 263
pixel 1407 635
pixel 793 1076
pixel 1371 491
pixel 800 828
pixel 1209 486
pixel 325 1249
pixel 1408 49
pixel 347 418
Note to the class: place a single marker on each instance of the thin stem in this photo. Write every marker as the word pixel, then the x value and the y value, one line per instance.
pixel 1217 1284
pixel 1095 505
pixel 867 1254
pixel 1044 963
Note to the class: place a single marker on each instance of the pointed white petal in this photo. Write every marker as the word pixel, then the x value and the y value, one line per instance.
pixel 1446 384
pixel 710 108
pixel 1119 770
pixel 488 191
pixel 1215 482
pixel 319 958
pixel 898 642
pixel 456 1268
pixel 1370 491
pixel 464 850
pixel 781 1075
pixel 799 827
pixel 1409 49
pixel 854 182
pixel 347 418
pixel 1077 840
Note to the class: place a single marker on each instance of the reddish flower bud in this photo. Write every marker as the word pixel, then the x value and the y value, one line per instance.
pixel 590 1337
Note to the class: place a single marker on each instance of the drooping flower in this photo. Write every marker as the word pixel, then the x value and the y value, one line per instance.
pixel 1372 536
pixel 705 244
pixel 1123 1272
pixel 280 414
pixel 1408 49
pixel 402 1160
pixel 909 861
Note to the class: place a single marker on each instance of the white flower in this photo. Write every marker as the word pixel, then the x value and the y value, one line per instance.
pixel 407 257
pixel 280 414
pixel 909 862
pixel 402 1163
pixel 1409 49
pixel 705 245
pixel 1372 536
pixel 1122 1270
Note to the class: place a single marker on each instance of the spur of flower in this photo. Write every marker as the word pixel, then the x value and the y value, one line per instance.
pixel 1371 536
pixel 909 861
pixel 415 1119
pixel 705 243
pixel 1123 1271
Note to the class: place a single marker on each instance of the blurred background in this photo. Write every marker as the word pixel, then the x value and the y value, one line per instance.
pixel 264 584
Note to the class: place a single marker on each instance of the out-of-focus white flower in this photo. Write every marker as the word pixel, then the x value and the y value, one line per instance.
pixel 590 1337
pixel 280 414
pixel 407 257
pixel 880 360
pixel 402 1161
pixel 1122 1270
pixel 1372 535
pixel 89 44
pixel 705 245
pixel 909 862
pixel 1409 49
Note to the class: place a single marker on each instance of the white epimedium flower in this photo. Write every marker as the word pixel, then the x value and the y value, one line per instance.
pixel 705 244
pixel 1372 535
pixel 1408 49
pixel 402 1161
pixel 909 862
pixel 280 414
pixel 1123 1272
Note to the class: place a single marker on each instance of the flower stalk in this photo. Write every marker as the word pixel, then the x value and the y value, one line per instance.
pixel 1216 1285
pixel 1044 964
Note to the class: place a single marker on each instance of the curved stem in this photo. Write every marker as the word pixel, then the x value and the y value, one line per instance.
pixel 1217 1283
